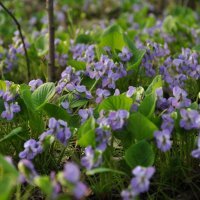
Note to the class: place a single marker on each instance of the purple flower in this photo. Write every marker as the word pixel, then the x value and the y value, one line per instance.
pixel 134 107
pixel 117 119
pixel 196 153
pixel 140 183
pixel 163 139
pixel 117 92
pixel 81 88
pixel 35 84
pixel 128 194
pixel 125 55
pixel 60 130
pixel 162 103
pixel 10 110
pixel 27 170
pixel 80 190
pixel 65 105
pixel 131 91
pixel 32 148
pixel 45 135
pixel 179 100
pixel 91 159
pixel 71 172
pixel 190 119
pixel 167 123
pixel 69 80
pixel 102 138
pixel 101 93
pixel 56 185
pixel 85 114
pixel 6 96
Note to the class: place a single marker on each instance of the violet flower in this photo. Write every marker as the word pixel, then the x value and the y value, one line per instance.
pixel 31 149
pixel 10 110
pixel 163 139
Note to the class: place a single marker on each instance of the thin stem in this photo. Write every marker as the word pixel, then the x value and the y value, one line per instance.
pixel 51 63
pixel 96 81
pixel 21 36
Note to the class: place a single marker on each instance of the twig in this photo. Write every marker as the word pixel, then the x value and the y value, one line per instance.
pixel 51 63
pixel 21 36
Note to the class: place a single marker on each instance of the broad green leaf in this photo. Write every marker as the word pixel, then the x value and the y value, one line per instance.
pixel 44 183
pixel 12 134
pixel 138 54
pixel 36 123
pixel 125 137
pixel 2 85
pixel 194 106
pixel 140 126
pixel 86 133
pixel 170 24
pixel 78 103
pixel 156 83
pixel 116 103
pixel 116 39
pixel 104 170
pixel 25 94
pixel 147 107
pixel 141 154
pixel 196 48
pixel 35 120
pixel 41 44
pixel 78 65
pixel 55 111
pixel 8 178
pixel 43 94
pixel 113 37
pixel 84 39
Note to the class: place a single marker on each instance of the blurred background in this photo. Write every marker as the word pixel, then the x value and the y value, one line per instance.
pixel 83 21
pixel 32 13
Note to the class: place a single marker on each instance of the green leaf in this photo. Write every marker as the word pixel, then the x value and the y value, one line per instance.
pixel 8 178
pixel 83 38
pixel 41 44
pixel 196 48
pixel 44 183
pixel 116 103
pixel 36 123
pixel 156 83
pixel 43 94
pixel 55 111
pixel 12 134
pixel 86 133
pixel 2 85
pixel 78 65
pixel 113 37
pixel 125 137
pixel 140 126
pixel 147 107
pixel 104 170
pixel 78 103
pixel 170 24
pixel 140 154
pixel 35 120
pixel 138 54
pixel 25 94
